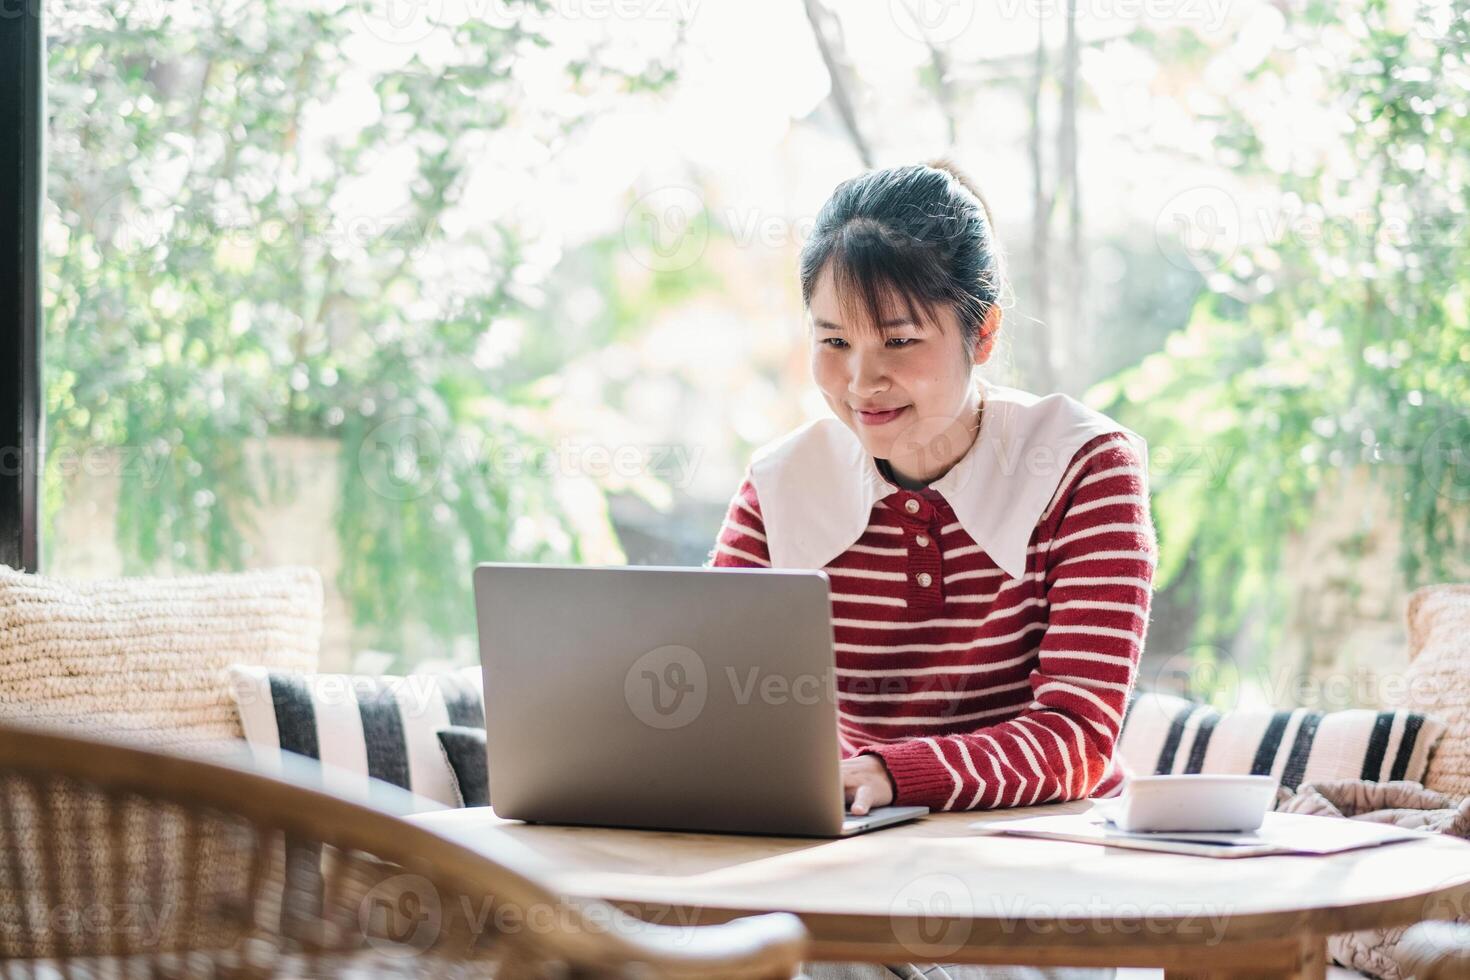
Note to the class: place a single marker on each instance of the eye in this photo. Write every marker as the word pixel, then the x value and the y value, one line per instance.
pixel 894 343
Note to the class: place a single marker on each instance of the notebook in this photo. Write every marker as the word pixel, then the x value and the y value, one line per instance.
pixel 1280 833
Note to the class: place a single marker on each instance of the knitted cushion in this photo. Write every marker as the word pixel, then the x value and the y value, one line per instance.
pixel 152 652
pixel 1165 734
pixel 1438 678
pixel 359 725
pixel 142 660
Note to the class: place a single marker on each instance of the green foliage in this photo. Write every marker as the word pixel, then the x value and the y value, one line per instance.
pixel 1338 341
pixel 211 283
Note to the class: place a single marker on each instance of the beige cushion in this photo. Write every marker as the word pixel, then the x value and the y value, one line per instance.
pixel 1438 678
pixel 143 660
pixel 152 652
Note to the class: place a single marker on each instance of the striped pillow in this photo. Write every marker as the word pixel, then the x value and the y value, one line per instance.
pixel 360 726
pixel 1163 734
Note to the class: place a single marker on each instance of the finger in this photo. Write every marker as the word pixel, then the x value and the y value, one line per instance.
pixel 861 799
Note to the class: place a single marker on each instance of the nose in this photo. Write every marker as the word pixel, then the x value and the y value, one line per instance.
pixel 867 375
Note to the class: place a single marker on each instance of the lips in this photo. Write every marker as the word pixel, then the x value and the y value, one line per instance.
pixel 880 418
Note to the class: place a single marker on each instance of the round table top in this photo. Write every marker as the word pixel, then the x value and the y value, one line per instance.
pixel 939 868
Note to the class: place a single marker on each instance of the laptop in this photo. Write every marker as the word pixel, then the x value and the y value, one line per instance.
pixel 665 698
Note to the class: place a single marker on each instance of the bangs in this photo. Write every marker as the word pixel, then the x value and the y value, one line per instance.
pixel 876 280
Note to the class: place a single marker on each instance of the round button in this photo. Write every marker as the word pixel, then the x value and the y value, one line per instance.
pixel 922 541
pixel 925 579
pixel 911 505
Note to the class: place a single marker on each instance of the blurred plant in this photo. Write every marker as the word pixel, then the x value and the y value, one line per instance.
pixel 260 225
pixel 1338 339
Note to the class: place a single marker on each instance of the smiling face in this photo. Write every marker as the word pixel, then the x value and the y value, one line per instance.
pixel 905 392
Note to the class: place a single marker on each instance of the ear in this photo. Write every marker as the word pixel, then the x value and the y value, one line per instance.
pixel 989 331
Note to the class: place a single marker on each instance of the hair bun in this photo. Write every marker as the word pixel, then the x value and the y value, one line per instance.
pixel 951 168
pixel 963 179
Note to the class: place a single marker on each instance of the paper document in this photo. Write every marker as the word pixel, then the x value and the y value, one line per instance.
pixel 1281 833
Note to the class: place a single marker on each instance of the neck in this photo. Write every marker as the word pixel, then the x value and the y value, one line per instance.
pixel 938 453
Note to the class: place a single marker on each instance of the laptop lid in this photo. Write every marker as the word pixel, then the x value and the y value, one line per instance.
pixel 649 696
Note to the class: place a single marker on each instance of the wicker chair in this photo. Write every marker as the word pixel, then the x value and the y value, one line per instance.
pixel 117 859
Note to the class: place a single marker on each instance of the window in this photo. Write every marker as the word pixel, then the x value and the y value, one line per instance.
pixel 392 288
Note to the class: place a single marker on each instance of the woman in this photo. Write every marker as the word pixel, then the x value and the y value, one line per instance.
pixel 990 551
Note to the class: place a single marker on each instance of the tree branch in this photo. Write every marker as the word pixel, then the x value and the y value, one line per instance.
pixel 819 16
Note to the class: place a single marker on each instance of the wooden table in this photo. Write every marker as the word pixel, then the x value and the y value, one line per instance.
pixel 936 890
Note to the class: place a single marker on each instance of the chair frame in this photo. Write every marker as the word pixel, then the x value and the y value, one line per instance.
pixel 593 938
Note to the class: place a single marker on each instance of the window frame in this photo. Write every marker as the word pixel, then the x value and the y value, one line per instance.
pixel 22 195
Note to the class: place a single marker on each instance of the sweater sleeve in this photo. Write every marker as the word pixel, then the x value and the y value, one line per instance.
pixel 1097 551
pixel 741 542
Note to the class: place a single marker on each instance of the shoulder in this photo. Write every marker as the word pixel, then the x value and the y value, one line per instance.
pixel 1056 419
pixel 1029 451
pixel 1060 433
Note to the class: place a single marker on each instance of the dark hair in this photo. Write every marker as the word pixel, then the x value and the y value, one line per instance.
pixel 919 234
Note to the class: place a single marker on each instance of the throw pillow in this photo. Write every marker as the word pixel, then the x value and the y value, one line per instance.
pixel 464 749
pixel 1165 734
pixel 360 726
pixel 1438 678
pixel 152 653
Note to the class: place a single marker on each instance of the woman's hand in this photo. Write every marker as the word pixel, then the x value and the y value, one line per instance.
pixel 866 783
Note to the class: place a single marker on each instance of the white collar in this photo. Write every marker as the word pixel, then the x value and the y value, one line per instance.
pixel 817 484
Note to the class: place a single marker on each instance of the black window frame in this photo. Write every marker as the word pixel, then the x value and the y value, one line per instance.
pixel 22 195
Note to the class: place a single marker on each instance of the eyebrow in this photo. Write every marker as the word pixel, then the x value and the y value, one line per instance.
pixel 900 322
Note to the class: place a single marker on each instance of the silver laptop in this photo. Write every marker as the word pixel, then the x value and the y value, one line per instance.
pixel 669 698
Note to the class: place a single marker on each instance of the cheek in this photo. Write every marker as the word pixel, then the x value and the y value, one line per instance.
pixel 827 370
pixel 933 375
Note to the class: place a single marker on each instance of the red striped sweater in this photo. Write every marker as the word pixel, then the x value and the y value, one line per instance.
pixel 982 690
